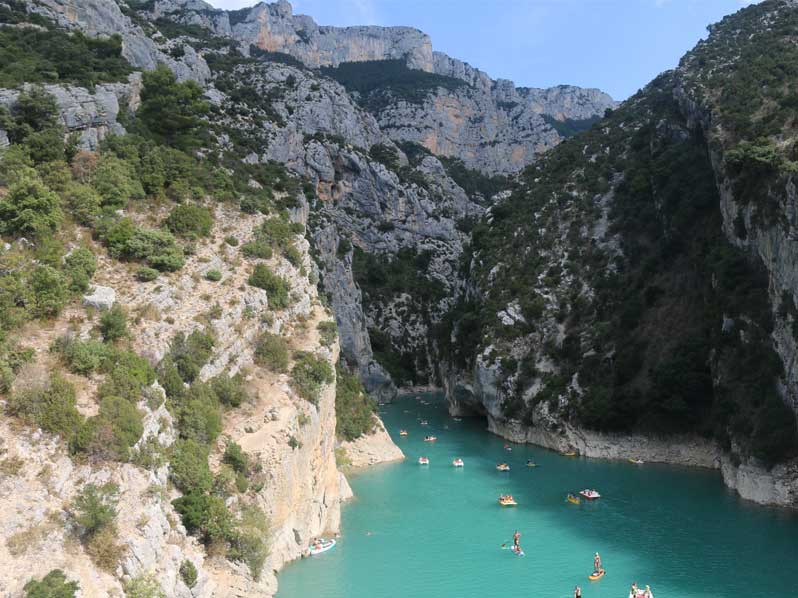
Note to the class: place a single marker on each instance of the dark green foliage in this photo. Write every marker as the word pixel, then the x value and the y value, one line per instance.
pixel 380 82
pixel 275 286
pixel 79 266
pixel 95 508
pixel 309 375
pixel 52 585
pixel 189 467
pixel 354 410
pixel 188 573
pixel 82 357
pixel 115 181
pixel 385 154
pixel 236 458
pixel 570 126
pixel 230 390
pixel 278 57
pixel 250 542
pixel 190 221
pixel 171 111
pixel 126 375
pixel 30 208
pixel 126 241
pixel 33 55
pixel 271 352
pixel 113 431
pixel 474 182
pixel 190 353
pixel 145 274
pixel 199 415
pixel 205 516
pixel 50 291
pixel 52 407
pixel 113 324
pixel 274 235
pixel 213 275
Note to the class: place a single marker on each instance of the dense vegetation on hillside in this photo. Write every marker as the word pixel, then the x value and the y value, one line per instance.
pixel 380 82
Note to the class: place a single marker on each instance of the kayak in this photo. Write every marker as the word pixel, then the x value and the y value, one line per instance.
pixel 596 576
pixel 430 438
pixel 402 432
pixel 323 547
pixel 507 501
pixel 641 594
pixel 503 467
pixel 423 461
pixel 569 454
pixel 531 464
pixel 574 500
pixel 458 463
pixel 637 461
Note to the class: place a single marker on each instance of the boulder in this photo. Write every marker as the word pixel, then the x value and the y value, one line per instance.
pixel 101 298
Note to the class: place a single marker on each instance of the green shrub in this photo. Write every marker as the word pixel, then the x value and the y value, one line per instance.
pixel 157 248
pixel 250 543
pixel 112 432
pixel 189 467
pixel 231 240
pixel 236 458
pixel 116 182
pixel 113 324
pixel 205 516
pixel 126 375
pixel 81 357
pixel 190 353
pixel 52 585
pixel 50 291
pixel 275 286
pixel 83 203
pixel 145 274
pixel 169 377
pixel 309 375
pixel 257 249
pixel 199 416
pixel 230 390
pixel 80 266
pixel 30 208
pixel 94 508
pixel 271 352
pixel 144 586
pixel 354 410
pixel 213 275
pixel 51 407
pixel 171 111
pixel 328 333
pixel 190 221
pixel 188 573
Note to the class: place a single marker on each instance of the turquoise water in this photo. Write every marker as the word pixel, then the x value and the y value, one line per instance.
pixel 436 531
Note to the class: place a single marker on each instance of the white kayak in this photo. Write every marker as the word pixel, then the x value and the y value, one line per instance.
pixel 324 546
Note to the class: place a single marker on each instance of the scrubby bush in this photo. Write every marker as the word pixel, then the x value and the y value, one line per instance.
pixel 52 406
pixel 124 423
pixel 231 240
pixel 309 375
pixel 236 458
pixel 94 508
pixel 81 357
pixel 52 585
pixel 205 516
pixel 145 274
pixel 190 353
pixel 80 266
pixel 189 467
pixel 275 286
pixel 190 221
pixel 126 375
pixel 213 275
pixel 328 332
pixel 199 416
pixel 113 323
pixel 50 291
pixel 169 377
pixel 125 240
pixel 271 352
pixel 144 586
pixel 115 181
pixel 229 390
pixel 250 542
pixel 30 208
pixel 354 410
pixel 188 573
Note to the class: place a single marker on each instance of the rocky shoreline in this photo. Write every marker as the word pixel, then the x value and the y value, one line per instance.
pixel 371 449
pixel 752 481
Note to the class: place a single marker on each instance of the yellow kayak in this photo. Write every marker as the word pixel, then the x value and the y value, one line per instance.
pixel 569 454
pixel 596 576
pixel 574 500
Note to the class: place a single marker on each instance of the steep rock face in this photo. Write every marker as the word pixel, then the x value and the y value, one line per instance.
pixel 590 328
pixel 490 125
pixel 104 17
pixel 93 116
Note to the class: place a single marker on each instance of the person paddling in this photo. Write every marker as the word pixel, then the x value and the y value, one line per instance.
pixel 577 592
pixel 597 563
pixel 517 540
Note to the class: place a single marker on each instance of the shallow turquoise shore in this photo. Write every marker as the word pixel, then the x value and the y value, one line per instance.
pixel 436 531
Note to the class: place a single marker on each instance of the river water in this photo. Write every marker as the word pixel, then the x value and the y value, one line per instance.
pixel 436 531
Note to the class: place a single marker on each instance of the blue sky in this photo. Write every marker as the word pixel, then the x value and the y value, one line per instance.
pixel 615 45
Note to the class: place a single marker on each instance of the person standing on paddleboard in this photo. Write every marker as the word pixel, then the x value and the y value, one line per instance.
pixel 577 592
pixel 516 540
pixel 597 563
